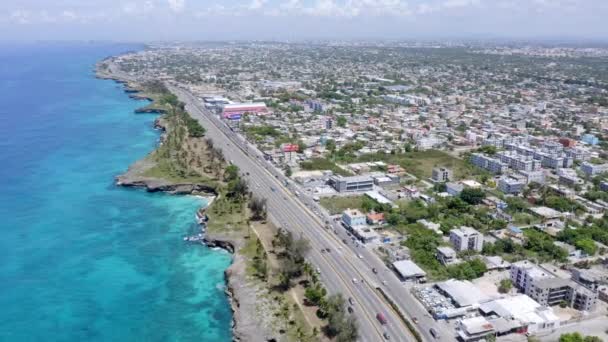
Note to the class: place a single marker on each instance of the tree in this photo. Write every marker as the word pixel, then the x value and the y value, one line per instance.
pixel 349 331
pixel 587 245
pixel 258 208
pixel 287 170
pixel 315 294
pixel 571 337
pixel 237 189
pixel 341 121
pixel 231 173
pixel 505 286
pixel 330 145
pixel 488 149
pixel 472 196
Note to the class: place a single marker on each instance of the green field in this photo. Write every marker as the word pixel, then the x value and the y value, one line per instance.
pixel 323 164
pixel 336 205
pixel 421 163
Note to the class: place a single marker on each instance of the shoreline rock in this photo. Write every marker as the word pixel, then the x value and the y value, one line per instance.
pixel 240 294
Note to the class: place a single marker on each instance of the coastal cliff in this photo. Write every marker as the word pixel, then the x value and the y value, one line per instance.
pixel 183 164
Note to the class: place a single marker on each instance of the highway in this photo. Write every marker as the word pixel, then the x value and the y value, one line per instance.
pixel 342 271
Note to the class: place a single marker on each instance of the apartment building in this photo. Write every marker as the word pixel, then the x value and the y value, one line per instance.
pixel 591 170
pixel 442 175
pixel 493 165
pixel 512 184
pixel 517 161
pixel 549 290
pixel 533 176
pixel 466 239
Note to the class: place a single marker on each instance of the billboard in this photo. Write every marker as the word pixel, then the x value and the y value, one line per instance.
pixel 233 116
pixel 290 148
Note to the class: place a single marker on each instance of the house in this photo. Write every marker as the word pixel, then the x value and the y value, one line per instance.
pixel 353 218
pixel 454 189
pixel 446 255
pixel 375 218
pixel 436 227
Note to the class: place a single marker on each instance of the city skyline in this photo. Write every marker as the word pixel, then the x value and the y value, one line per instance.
pixel 146 20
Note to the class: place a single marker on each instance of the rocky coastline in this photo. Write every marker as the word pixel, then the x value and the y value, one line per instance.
pixel 241 295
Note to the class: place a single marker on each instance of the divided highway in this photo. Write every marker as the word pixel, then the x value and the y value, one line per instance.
pixel 342 271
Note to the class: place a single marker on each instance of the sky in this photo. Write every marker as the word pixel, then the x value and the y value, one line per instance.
pixel 202 20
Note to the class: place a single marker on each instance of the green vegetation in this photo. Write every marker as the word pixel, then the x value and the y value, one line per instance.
pixel 421 163
pixel 258 208
pixel 423 243
pixel 505 286
pixel 323 164
pixel 578 337
pixel 260 132
pixel 562 204
pixel 584 237
pixel 488 149
pixel 542 244
pixel 467 270
pixel 341 326
pixel 183 157
pixel 472 196
pixel 291 257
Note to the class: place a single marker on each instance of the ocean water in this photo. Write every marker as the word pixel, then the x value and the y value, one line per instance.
pixel 82 259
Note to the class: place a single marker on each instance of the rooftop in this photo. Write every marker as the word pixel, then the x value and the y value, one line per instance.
pixel 463 292
pixel 408 269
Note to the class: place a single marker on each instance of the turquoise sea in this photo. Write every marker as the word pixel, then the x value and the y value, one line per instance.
pixel 82 259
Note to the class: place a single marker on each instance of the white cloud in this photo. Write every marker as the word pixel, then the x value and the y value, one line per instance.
pixel 20 16
pixel 257 4
pixel 177 5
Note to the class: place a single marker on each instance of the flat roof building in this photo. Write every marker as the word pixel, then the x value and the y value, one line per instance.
pixel 462 292
pixel 466 239
pixel 352 184
pixel 530 315
pixel 408 270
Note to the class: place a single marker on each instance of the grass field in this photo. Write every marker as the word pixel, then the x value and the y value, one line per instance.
pixel 227 216
pixel 421 163
pixel 336 205
pixel 323 164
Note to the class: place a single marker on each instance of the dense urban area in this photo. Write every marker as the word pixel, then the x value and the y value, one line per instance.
pixel 469 181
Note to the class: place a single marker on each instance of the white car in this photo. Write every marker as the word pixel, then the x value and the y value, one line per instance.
pixel 355 280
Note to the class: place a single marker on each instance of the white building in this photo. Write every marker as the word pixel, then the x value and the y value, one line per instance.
pixel 466 239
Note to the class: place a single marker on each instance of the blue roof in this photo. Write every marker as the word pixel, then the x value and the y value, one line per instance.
pixel 514 229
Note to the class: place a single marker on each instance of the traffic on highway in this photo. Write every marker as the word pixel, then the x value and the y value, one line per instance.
pixel 346 265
